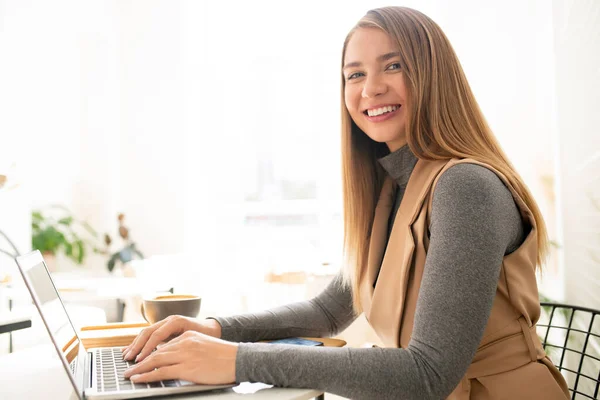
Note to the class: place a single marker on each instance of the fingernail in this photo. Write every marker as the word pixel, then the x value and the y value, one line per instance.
pixel 127 355
pixel 138 358
pixel 134 378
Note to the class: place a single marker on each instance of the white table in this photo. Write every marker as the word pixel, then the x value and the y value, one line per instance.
pixel 37 373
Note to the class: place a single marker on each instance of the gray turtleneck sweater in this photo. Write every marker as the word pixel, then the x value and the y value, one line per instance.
pixel 474 223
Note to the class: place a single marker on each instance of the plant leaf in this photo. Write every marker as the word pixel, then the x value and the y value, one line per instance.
pixel 112 261
pixel 69 250
pixel 81 253
pixel 66 221
pixel 37 216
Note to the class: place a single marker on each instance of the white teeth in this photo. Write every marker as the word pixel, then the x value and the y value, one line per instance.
pixel 378 111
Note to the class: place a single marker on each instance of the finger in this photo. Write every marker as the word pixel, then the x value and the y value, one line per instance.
pixel 173 344
pixel 160 360
pixel 169 346
pixel 179 338
pixel 161 374
pixel 141 339
pixel 129 354
pixel 125 349
pixel 158 336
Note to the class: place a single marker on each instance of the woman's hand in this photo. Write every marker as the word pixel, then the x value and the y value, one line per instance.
pixel 193 357
pixel 165 330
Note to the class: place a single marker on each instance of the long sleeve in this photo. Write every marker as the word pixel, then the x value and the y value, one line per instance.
pixel 325 315
pixel 475 222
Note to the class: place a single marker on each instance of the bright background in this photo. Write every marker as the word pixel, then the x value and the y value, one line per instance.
pixel 214 126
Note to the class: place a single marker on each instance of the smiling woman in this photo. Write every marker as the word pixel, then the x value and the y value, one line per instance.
pixel 442 239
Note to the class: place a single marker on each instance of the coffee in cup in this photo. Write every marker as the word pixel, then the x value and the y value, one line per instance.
pixel 157 308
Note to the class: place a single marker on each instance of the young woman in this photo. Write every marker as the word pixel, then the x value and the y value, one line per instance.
pixel 442 239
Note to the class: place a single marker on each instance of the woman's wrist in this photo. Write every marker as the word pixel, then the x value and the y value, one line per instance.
pixel 214 327
pixel 232 353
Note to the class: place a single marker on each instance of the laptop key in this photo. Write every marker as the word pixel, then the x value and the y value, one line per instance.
pixel 110 368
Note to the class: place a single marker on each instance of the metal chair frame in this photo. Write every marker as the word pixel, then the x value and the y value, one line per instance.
pixel 594 315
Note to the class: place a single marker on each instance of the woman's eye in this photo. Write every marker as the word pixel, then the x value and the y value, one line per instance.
pixel 394 66
pixel 354 75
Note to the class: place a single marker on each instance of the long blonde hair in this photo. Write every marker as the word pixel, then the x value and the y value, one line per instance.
pixel 443 121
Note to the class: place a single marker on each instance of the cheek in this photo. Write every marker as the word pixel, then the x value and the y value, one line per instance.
pixel 351 100
pixel 347 100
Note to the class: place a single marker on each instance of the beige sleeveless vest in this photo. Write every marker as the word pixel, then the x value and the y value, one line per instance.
pixel 510 362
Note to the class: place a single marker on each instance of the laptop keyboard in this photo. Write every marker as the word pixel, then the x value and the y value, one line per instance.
pixel 110 367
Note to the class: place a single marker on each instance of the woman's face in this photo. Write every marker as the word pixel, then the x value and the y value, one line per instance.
pixel 374 93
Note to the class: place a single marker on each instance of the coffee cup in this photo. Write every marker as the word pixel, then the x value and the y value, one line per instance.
pixel 157 308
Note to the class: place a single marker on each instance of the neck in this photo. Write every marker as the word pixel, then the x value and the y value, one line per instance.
pixel 399 164
pixel 396 144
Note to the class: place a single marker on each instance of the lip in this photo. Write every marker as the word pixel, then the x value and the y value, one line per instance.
pixel 383 117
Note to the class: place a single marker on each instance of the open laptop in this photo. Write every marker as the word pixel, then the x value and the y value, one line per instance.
pixel 95 373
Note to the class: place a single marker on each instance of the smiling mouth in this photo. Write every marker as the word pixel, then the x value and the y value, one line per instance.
pixel 375 112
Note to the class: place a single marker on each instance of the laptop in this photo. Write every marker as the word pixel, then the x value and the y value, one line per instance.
pixel 95 373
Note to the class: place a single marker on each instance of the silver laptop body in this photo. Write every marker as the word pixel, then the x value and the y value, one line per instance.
pixel 95 373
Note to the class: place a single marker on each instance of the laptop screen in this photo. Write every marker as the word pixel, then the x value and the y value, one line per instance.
pixel 55 316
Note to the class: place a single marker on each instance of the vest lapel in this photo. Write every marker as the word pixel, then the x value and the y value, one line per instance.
pixel 377 242
pixel 384 304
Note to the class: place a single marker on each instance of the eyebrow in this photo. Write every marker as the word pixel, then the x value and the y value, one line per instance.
pixel 381 58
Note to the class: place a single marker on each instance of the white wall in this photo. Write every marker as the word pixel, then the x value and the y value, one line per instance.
pixel 507 51
pixel 153 107
pixel 577 44
pixel 133 122
pixel 92 110
pixel 284 72
pixel 39 96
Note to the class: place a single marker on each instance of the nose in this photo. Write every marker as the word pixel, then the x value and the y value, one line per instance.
pixel 374 86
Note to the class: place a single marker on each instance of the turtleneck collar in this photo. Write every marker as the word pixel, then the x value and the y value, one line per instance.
pixel 399 164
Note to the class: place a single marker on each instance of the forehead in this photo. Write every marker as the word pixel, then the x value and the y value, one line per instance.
pixel 366 44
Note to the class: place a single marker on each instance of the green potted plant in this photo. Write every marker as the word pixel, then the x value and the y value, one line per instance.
pixel 55 230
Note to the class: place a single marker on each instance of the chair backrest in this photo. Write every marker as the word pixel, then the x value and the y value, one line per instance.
pixel 571 337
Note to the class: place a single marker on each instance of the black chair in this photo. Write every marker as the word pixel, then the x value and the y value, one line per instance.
pixel 571 337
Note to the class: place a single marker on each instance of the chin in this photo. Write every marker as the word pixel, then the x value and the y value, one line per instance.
pixel 383 138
